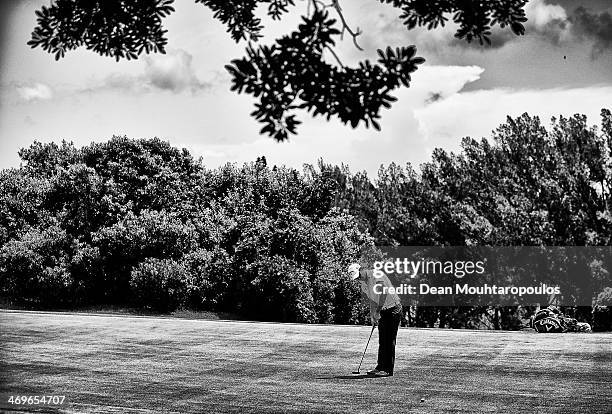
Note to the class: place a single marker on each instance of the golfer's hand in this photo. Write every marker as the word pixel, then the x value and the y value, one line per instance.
pixel 374 320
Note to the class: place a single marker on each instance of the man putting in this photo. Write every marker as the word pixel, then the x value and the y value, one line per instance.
pixel 385 312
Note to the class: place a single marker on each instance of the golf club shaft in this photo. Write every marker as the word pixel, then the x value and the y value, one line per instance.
pixel 366 348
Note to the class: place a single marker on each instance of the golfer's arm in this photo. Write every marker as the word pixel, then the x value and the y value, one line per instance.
pixel 381 298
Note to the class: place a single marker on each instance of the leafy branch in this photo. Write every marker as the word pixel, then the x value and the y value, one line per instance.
pixel 289 75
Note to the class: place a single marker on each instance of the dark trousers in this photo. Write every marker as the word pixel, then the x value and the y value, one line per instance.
pixel 387 333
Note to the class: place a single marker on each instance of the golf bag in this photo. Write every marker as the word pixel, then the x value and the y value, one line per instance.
pixel 551 320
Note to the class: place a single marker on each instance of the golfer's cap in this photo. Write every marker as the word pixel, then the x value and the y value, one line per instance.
pixel 353 270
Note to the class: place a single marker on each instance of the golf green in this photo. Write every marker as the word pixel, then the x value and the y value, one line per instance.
pixel 124 364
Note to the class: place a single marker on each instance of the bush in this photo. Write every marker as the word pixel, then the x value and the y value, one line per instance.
pixel 21 197
pixel 209 281
pixel 86 270
pixel 602 318
pixel 135 238
pixel 159 284
pixel 602 311
pixel 280 291
pixel 33 268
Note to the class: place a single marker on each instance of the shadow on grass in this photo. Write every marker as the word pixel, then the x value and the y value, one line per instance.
pixel 349 377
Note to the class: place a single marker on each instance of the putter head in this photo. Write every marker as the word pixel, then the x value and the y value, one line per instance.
pixel 356 372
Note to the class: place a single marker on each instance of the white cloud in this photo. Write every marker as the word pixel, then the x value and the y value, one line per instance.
pixel 360 148
pixel 444 80
pixel 333 143
pixel 34 92
pixel 477 113
pixel 540 14
pixel 548 20
pixel 173 72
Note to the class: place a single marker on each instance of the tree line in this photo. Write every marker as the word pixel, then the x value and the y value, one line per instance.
pixel 142 224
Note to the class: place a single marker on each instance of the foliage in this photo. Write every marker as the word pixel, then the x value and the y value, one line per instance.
pixel 33 267
pixel 151 234
pixel 474 19
pixel 289 76
pixel 21 198
pixel 139 223
pixel 209 279
pixel 602 311
pixel 159 284
pixel 292 73
pixel 281 288
pixel 604 298
pixel 121 29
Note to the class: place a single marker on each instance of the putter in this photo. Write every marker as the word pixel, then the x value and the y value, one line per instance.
pixel 364 351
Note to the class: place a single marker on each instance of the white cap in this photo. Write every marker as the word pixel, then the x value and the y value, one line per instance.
pixel 353 270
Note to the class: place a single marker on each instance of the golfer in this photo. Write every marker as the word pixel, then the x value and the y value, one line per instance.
pixel 385 312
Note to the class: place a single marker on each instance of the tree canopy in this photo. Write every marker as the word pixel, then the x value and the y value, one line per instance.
pixel 292 74
pixel 141 223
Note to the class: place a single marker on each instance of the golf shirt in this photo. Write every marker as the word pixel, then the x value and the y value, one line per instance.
pixel 376 301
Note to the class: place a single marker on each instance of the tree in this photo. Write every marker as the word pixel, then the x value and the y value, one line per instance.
pixel 21 198
pixel 138 222
pixel 293 73
pixel 33 267
pixel 159 283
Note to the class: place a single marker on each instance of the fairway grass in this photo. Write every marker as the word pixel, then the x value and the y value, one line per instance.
pixel 123 364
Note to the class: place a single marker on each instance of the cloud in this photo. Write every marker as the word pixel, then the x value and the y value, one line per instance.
pixel 547 21
pixel 398 141
pixel 173 72
pixel 552 23
pixel 122 81
pixel 34 92
pixel 595 27
pixel 29 121
pixel 541 14
pixel 434 97
pixel 443 81
pixel 444 123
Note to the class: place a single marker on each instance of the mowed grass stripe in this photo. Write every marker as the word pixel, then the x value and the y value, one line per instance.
pixel 133 364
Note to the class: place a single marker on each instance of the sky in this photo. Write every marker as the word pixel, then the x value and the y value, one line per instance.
pixel 562 66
